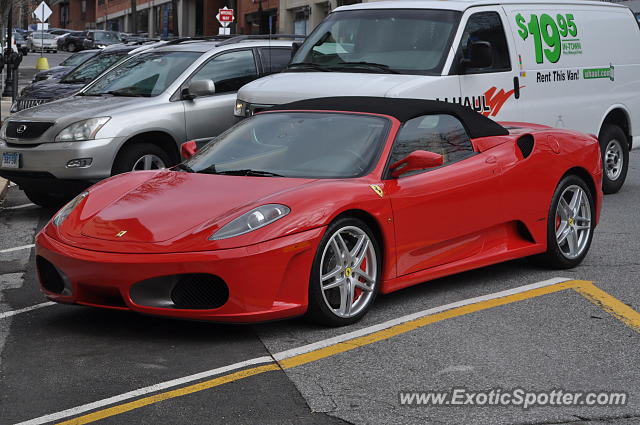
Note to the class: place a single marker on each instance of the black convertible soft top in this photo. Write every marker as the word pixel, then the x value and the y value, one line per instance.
pixel 476 124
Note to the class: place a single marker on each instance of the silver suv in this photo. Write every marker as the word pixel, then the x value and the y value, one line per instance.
pixel 135 116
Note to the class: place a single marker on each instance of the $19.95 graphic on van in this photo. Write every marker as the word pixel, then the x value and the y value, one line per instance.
pixel 552 37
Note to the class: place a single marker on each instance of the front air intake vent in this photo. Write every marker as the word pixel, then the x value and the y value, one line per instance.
pixel 199 291
pixel 50 277
pixel 525 143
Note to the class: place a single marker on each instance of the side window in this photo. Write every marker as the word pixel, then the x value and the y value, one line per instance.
pixel 229 71
pixel 486 26
pixel 442 134
pixel 274 60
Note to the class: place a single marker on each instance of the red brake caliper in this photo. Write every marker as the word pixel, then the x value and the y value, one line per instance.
pixel 357 292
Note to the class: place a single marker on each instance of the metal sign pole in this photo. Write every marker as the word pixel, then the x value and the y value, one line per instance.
pixel 42 35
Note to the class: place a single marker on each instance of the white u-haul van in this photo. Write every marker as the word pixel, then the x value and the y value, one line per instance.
pixel 568 64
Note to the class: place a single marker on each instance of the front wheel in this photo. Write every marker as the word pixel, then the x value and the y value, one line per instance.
pixel 570 224
pixel 345 275
pixel 140 156
pixel 615 158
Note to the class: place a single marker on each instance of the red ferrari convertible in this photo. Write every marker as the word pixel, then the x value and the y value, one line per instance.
pixel 316 206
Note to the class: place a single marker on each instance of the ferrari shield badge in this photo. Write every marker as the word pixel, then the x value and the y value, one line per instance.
pixel 377 189
pixel 121 233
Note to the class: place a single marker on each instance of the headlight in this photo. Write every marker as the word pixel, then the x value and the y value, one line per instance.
pixel 254 219
pixel 14 108
pixel 241 109
pixel 3 129
pixel 82 130
pixel 68 209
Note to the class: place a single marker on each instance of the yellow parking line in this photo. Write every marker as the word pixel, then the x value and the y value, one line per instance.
pixel 610 304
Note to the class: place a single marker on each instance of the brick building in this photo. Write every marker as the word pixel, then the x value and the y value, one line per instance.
pixel 257 16
pixel 73 14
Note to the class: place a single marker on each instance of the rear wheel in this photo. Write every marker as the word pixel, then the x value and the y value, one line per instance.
pixel 570 224
pixel 140 156
pixel 345 275
pixel 71 47
pixel 615 157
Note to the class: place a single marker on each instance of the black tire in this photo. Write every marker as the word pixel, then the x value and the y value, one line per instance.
pixel 554 258
pixel 71 47
pixel 129 156
pixel 612 134
pixel 318 311
pixel 45 199
pixel 55 51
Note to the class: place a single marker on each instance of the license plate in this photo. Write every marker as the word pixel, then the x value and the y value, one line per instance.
pixel 10 160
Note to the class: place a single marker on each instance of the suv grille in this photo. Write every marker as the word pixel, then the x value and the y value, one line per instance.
pixel 30 103
pixel 27 129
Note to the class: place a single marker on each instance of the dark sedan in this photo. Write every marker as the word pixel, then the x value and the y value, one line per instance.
pixel 58 72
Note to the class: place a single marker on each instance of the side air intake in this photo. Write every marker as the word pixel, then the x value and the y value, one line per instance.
pixel 525 143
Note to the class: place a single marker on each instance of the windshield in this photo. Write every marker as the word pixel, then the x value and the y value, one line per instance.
pixel 90 69
pixel 77 58
pixel 148 74
pixel 18 36
pixel 106 36
pixel 405 41
pixel 295 144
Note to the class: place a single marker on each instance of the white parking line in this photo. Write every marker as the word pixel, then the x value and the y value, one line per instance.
pixel 17 248
pixel 285 354
pixel 26 309
pixel 17 207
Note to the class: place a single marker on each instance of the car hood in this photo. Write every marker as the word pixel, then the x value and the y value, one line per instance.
pixel 49 89
pixel 75 108
pixel 292 86
pixel 171 203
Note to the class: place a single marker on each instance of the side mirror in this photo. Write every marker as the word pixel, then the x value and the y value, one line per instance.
pixel 416 160
pixel 198 88
pixel 481 55
pixel 294 48
pixel 188 149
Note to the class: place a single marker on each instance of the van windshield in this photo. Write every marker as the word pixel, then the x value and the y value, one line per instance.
pixel 407 41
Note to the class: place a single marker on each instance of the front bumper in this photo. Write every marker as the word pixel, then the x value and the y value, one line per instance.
pixel 52 158
pixel 266 281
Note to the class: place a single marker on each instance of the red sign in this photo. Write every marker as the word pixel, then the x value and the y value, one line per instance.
pixel 225 15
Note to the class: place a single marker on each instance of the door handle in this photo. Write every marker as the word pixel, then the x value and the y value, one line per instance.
pixel 516 87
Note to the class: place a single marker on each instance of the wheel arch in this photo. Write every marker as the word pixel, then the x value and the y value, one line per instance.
pixel 160 138
pixel 618 115
pixel 588 179
pixel 370 221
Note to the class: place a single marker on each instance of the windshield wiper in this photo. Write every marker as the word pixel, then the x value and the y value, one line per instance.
pixel 371 65
pixel 249 172
pixel 307 66
pixel 185 167
pixel 125 93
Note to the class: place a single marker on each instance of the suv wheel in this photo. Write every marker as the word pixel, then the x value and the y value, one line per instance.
pixel 46 200
pixel 71 47
pixel 140 156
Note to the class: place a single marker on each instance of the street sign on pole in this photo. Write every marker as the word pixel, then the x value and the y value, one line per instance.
pixel 42 12
pixel 225 16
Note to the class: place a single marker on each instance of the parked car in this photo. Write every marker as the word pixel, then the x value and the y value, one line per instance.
pixel 488 55
pixel 42 41
pixel 49 90
pixel 20 43
pixel 57 72
pixel 72 42
pixel 326 203
pixel 135 116
pixel 101 39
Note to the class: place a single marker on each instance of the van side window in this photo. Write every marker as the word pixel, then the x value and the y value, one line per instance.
pixel 229 71
pixel 442 134
pixel 486 26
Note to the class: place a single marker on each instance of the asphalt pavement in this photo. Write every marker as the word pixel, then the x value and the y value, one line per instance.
pixel 70 364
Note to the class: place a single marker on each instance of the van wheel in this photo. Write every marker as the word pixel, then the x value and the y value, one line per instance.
pixel 345 275
pixel 615 158
pixel 140 156
pixel 570 225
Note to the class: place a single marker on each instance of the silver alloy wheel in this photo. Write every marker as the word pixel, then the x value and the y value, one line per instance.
pixel 348 272
pixel 613 159
pixel 573 222
pixel 149 162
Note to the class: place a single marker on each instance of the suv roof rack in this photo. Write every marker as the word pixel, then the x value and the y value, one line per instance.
pixel 239 38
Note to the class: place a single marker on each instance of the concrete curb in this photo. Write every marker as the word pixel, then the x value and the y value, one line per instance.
pixel 4 185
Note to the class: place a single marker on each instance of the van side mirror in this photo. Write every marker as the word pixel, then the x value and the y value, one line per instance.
pixel 295 46
pixel 481 55
pixel 416 160
pixel 199 88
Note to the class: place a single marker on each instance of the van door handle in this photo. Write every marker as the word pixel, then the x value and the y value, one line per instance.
pixel 516 87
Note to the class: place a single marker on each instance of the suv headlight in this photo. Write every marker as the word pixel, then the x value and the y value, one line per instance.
pixel 241 109
pixel 3 129
pixel 68 209
pixel 82 130
pixel 254 219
